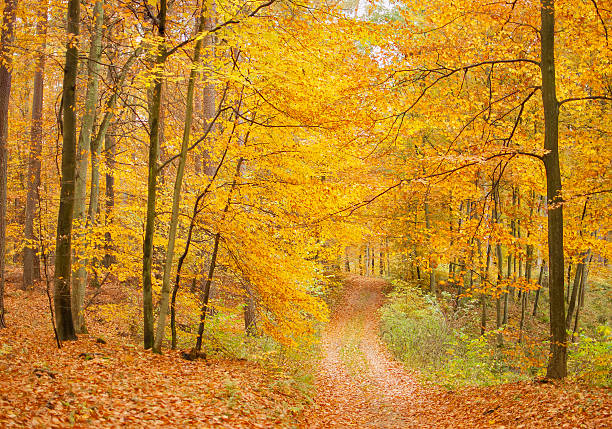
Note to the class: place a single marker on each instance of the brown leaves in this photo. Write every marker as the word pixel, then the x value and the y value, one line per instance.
pixel 361 385
pixel 92 384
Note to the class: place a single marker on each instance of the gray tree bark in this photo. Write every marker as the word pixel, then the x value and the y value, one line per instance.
pixel 79 282
pixel 176 197
pixel 154 123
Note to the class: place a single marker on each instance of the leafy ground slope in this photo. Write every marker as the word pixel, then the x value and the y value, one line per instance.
pixel 359 384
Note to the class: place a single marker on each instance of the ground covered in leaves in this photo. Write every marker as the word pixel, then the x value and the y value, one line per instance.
pixel 360 384
pixel 111 383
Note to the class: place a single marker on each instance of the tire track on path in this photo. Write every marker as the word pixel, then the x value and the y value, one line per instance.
pixel 359 383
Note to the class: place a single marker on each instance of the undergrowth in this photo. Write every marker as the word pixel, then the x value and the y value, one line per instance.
pixel 436 336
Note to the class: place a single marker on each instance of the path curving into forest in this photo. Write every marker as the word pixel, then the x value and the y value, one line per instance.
pixel 359 383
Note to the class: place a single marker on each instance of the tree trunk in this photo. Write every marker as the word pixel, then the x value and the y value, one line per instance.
pixel 176 197
pixel 31 261
pixel 110 149
pixel 500 267
pixel 211 267
pixel 583 285
pixel 154 117
pixel 483 296
pixel 388 251
pixel 568 282
pixel 524 296
pixel 347 264
pixel 432 273
pixel 250 315
pixel 177 282
pixel 577 286
pixel 537 295
pixel 63 257
pixel 206 293
pixel 8 21
pixel 109 157
pixel 79 282
pixel 557 364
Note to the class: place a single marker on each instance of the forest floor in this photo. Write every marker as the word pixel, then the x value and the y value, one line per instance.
pixel 361 385
pixel 90 383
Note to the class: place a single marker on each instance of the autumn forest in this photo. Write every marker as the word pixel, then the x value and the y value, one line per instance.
pixel 279 213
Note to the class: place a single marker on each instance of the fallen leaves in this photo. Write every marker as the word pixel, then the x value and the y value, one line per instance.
pixel 89 383
pixel 382 393
pixel 108 384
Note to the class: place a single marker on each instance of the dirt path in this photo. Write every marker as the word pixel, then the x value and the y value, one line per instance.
pixel 360 385
pixel 359 382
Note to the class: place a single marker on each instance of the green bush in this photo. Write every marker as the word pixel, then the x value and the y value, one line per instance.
pixel 414 328
pixel 426 338
pixel 590 358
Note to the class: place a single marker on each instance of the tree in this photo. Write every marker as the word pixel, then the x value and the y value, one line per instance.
pixel 154 124
pixel 87 125
pixel 178 183
pixel 31 262
pixel 63 258
pixel 6 39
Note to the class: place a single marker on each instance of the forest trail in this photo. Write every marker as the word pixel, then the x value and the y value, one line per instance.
pixel 359 383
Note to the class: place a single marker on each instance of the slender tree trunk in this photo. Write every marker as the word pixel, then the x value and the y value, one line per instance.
pixel 154 118
pixel 381 264
pixel 524 296
pixel 578 276
pixel 176 198
pixel 110 149
pixel 583 285
pixel 79 282
pixel 63 258
pixel 211 269
pixel 109 156
pixel 387 249
pixel 432 273
pixel 206 293
pixel 577 286
pixel 250 315
pixel 483 295
pixel 177 282
pixel 557 364
pixel 568 282
pixel 500 269
pixel 347 264
pixel 31 261
pixel 538 292
pixel 6 39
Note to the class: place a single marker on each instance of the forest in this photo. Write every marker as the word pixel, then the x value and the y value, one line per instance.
pixel 305 213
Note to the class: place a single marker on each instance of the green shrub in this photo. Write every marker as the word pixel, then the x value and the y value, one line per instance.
pixel 590 358
pixel 414 328
pixel 426 338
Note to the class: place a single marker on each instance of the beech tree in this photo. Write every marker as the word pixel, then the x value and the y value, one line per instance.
pixel 63 258
pixel 6 39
